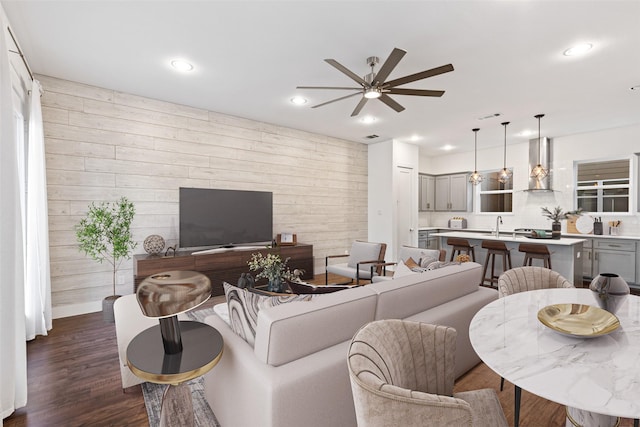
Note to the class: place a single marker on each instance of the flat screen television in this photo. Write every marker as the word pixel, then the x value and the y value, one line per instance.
pixel 214 217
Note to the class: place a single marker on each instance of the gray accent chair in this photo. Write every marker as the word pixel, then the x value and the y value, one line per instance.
pixel 522 279
pixel 402 374
pixel 416 254
pixel 363 262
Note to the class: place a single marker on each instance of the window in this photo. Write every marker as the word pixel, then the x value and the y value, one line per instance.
pixel 493 195
pixel 603 186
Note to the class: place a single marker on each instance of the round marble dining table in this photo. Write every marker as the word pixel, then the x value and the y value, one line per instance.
pixel 598 379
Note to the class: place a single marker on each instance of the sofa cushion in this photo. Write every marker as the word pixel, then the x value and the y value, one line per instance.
pixel 244 307
pixel 406 296
pixel 291 331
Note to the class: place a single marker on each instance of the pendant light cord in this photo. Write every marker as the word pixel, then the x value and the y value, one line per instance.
pixel 475 149
pixel 504 164
pixel 539 116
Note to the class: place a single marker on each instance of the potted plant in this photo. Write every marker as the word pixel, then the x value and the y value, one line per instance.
pixel 556 215
pixel 274 269
pixel 105 235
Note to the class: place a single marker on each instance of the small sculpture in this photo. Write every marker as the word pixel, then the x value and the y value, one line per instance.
pixel 246 281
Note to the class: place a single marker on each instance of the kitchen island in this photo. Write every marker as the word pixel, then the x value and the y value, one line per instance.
pixel 566 253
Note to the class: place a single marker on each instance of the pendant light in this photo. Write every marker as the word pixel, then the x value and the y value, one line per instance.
pixel 475 177
pixel 505 174
pixel 539 172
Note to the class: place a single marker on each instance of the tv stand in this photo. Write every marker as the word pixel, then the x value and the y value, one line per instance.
pixel 221 264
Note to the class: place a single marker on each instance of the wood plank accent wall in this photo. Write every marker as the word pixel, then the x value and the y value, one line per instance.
pixel 102 144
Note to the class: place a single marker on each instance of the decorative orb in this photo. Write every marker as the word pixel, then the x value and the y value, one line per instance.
pixel 153 244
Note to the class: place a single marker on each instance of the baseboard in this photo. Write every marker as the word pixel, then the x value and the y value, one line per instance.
pixel 75 309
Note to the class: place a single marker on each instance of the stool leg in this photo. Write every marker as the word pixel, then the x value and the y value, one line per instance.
pixel 509 259
pixel 484 270
pixel 453 253
pixel 548 259
pixel 473 254
pixel 493 268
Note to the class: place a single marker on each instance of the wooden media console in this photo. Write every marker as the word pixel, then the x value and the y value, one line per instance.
pixel 220 265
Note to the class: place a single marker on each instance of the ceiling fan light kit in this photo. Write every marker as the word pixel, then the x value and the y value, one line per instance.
pixel 375 86
pixel 475 177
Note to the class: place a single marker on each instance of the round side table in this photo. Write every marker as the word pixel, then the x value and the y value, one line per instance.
pixel 146 357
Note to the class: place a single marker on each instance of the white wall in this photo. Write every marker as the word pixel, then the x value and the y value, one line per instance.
pixel 384 159
pixel 103 144
pixel 618 142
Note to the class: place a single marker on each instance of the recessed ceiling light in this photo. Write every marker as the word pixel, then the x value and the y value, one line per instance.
pixel 447 147
pixel 578 49
pixel 415 138
pixel 526 133
pixel 368 119
pixel 298 100
pixel 181 65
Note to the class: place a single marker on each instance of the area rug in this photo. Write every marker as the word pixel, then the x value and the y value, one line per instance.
pixel 203 415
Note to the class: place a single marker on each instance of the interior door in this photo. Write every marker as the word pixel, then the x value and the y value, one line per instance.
pixel 406 217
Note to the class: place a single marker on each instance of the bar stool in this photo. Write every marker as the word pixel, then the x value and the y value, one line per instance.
pixel 461 245
pixel 495 248
pixel 532 251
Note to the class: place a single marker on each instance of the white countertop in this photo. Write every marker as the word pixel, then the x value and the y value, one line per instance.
pixel 506 231
pixel 508 236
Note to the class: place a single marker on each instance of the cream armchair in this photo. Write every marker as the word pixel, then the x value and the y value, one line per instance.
pixel 363 261
pixel 402 374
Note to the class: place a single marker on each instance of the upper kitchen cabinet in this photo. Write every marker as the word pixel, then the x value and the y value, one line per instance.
pixel 453 193
pixel 427 186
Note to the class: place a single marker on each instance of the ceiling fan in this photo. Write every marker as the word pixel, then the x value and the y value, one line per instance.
pixel 373 85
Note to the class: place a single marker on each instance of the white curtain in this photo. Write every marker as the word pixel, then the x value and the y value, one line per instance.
pixel 13 347
pixel 38 279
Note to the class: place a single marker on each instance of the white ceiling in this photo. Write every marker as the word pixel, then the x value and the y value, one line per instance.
pixel 250 56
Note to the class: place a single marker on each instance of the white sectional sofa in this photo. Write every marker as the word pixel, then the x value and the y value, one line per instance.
pixel 296 375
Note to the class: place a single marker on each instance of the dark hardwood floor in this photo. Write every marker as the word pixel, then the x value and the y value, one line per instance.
pixel 74 380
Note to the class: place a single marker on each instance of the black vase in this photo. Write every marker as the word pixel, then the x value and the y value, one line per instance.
pixel 556 228
pixel 610 291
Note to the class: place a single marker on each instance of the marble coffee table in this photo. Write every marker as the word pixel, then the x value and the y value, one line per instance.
pixel 598 379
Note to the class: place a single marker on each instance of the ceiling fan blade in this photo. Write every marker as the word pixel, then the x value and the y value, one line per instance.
pixel 346 71
pixel 417 92
pixel 358 108
pixel 391 103
pixel 334 100
pixel 418 76
pixel 329 87
pixel 388 66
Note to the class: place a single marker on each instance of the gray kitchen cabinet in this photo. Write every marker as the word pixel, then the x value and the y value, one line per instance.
pixel 615 256
pixel 453 193
pixel 427 187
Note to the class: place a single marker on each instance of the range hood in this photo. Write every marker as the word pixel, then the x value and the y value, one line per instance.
pixel 540 153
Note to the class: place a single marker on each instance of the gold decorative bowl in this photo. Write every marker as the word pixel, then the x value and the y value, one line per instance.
pixel 578 320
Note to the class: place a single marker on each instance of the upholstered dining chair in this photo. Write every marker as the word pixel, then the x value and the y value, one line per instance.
pixel 522 279
pixel 363 262
pixel 402 374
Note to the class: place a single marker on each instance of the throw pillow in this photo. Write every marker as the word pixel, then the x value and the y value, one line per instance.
pixel 401 270
pixel 411 263
pixel 244 307
pixel 426 261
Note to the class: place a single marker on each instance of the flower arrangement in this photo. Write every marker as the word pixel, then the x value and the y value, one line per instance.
pixel 273 268
pixel 463 258
pixel 557 214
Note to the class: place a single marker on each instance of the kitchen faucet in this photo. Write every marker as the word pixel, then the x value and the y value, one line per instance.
pixel 498 222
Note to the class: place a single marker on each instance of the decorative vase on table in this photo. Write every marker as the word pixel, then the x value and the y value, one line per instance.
pixel 275 285
pixel 556 229
pixel 610 290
